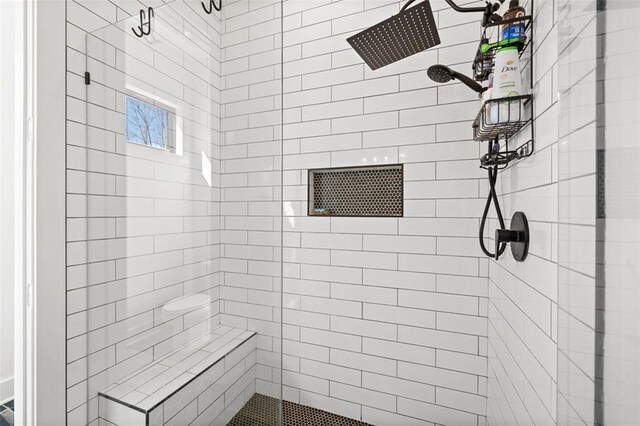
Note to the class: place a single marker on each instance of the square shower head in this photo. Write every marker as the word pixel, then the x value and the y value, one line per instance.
pixel 409 32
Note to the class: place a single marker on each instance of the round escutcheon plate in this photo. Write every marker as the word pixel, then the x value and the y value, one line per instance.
pixel 520 249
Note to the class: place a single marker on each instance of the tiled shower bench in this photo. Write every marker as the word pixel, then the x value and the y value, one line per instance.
pixel 206 382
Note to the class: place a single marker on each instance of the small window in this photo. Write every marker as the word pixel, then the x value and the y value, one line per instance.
pixel 148 125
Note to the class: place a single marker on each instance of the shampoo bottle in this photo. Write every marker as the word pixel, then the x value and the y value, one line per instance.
pixel 507 83
pixel 487 95
pixel 514 30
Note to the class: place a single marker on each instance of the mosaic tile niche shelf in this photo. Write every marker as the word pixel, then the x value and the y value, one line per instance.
pixel 363 191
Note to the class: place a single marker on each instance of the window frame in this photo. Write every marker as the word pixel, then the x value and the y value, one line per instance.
pixel 170 145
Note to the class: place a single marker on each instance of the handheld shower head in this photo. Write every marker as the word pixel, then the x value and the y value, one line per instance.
pixel 440 73
pixel 443 74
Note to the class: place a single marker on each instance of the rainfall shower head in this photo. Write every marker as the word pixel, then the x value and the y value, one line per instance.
pixel 443 74
pixel 409 32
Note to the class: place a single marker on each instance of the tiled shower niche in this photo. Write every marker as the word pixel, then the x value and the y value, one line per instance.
pixel 363 191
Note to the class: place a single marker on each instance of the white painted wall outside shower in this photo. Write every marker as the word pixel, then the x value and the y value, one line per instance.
pixel 7 205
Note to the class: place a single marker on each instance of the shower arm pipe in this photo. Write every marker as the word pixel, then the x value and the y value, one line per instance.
pixel 466 9
pixel 488 10
pixel 454 7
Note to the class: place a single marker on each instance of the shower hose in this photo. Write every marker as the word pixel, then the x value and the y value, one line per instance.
pixel 493 197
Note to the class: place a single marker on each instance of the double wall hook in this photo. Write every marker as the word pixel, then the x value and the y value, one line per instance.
pixel 143 24
pixel 212 5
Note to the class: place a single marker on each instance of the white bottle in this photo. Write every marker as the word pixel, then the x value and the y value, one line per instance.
pixel 506 83
pixel 486 118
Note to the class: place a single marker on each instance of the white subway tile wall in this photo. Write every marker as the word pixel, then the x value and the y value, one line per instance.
pixel 250 290
pixel 523 297
pixel 143 223
pixel 384 320
pixel 593 168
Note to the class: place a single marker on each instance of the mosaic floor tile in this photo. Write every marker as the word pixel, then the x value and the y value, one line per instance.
pixel 262 410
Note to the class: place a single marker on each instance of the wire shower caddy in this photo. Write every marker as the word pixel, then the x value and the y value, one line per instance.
pixel 500 120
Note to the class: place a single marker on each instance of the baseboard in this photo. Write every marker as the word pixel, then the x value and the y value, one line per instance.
pixel 6 390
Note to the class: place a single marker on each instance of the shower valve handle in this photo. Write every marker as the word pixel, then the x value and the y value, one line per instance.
pixel 517 236
pixel 506 236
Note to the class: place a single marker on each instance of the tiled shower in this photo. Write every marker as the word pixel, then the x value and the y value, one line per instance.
pixel 398 320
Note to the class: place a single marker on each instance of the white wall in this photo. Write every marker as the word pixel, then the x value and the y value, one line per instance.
pixel 523 296
pixel 598 362
pixel 618 294
pixel 387 317
pixel 44 244
pixel 7 204
pixel 142 223
pixel 580 52
pixel 250 198
pixel 346 280
pixel 384 319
